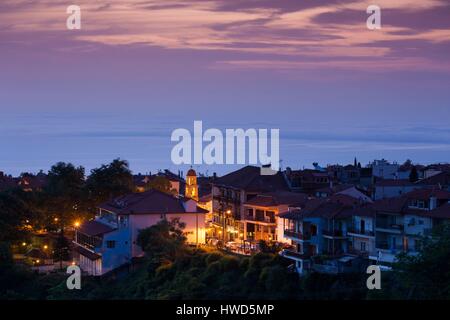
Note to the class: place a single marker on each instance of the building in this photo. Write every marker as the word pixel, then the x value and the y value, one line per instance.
pixel 384 169
pixel 261 220
pixel 230 192
pixel 320 235
pixel 391 188
pixel 307 181
pixel 109 241
pixel 345 189
pixel 401 222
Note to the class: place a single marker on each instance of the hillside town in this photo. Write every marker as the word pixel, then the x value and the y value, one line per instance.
pixel 335 219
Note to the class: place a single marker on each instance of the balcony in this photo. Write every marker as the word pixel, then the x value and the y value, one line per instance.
pixel 266 220
pixel 294 255
pixel 358 253
pixel 383 226
pixel 359 232
pixel 386 247
pixel 335 234
pixel 297 235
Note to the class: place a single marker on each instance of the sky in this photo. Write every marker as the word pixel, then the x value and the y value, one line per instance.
pixel 139 69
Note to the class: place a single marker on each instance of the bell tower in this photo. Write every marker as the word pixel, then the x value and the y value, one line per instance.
pixel 191 185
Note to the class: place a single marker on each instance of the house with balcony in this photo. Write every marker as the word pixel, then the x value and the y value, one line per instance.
pixel 401 222
pixel 109 241
pixel 229 194
pixel 319 231
pixel 361 230
pixel 261 219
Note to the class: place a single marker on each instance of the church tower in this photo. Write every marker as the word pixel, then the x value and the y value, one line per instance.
pixel 191 185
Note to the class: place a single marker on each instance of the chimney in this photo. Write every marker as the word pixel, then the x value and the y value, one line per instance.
pixel 214 175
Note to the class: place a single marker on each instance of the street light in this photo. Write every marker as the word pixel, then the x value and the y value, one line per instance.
pixel 77 224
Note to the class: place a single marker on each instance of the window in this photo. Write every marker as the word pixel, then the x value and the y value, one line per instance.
pixel 110 244
pixel 313 230
pixel 363 246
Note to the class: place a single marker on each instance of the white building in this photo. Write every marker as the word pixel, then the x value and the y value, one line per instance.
pixel 384 169
pixel 109 241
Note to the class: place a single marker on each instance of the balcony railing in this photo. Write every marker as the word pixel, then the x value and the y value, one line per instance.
pixel 386 246
pixel 293 254
pixel 296 234
pixel 333 233
pixel 358 252
pixel 361 232
pixel 389 226
pixel 260 219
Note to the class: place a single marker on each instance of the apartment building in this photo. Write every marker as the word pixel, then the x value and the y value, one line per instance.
pixel 261 219
pixel 320 229
pixel 232 191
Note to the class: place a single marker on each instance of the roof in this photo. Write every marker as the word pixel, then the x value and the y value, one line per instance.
pixel 442 212
pixel 292 215
pixel 249 178
pixel 394 183
pixel 336 188
pixel 88 254
pixel 425 194
pixel 442 179
pixel 273 199
pixel 149 202
pixel 191 173
pixel 94 228
pixel 37 254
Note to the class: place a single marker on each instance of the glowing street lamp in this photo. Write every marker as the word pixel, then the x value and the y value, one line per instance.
pixel 24 244
pixel 76 224
pixel 45 247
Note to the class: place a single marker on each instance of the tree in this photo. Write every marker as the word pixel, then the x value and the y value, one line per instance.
pixel 109 181
pixel 160 183
pixel 425 275
pixel 13 214
pixel 163 242
pixel 64 192
pixel 413 176
pixel 61 249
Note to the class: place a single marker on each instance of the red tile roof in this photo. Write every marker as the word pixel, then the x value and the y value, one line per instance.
pixel 442 212
pixel 94 228
pixel 88 254
pixel 250 179
pixel 273 199
pixel 149 202
pixel 393 183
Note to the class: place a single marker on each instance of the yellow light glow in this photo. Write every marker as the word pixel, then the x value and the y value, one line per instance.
pixel 37 261
pixel 73 263
pixel 77 224
pixel 45 247
pixel 228 211
pixel 24 244
pixel 56 219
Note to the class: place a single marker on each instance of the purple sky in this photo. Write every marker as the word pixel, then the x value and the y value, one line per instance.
pixel 139 69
